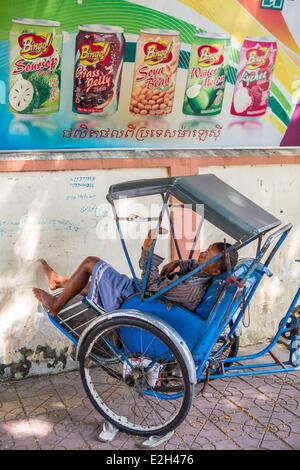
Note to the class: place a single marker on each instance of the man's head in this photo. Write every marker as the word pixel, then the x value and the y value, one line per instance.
pixel 219 265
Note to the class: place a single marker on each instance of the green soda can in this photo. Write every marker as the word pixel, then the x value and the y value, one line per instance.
pixel 35 67
pixel 206 74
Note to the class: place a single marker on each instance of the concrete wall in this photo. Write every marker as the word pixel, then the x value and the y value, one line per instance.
pixel 56 215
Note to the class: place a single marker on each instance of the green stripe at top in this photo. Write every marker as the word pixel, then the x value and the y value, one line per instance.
pixel 130 16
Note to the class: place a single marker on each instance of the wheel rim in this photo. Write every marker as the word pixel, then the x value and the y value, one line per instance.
pixel 138 386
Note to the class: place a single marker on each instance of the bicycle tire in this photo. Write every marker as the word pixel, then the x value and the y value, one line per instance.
pixel 102 408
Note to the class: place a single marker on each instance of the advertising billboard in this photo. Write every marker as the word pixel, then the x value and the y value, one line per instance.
pixel 105 74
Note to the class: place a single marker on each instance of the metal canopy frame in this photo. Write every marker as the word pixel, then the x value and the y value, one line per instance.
pixel 260 252
pixel 232 366
pixel 225 207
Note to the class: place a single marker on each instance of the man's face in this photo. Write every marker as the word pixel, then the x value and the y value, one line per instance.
pixel 211 269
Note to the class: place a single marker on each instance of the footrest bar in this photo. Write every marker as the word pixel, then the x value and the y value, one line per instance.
pixel 278 361
pixel 64 320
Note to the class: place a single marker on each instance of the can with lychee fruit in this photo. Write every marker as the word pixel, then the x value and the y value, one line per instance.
pixel 156 64
pixel 254 77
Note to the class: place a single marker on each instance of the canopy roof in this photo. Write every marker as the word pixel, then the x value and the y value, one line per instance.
pixel 224 207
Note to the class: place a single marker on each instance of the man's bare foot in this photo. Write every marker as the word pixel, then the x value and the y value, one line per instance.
pixel 46 299
pixel 55 280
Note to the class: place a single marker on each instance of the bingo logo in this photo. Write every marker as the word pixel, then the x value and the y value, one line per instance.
pixel 35 45
pixel 94 53
pixel 158 52
pixel 210 55
pixel 257 58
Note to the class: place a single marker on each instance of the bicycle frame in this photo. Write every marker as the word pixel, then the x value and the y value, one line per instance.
pixel 279 367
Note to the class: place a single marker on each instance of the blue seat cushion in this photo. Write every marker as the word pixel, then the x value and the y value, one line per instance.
pixel 216 286
pixel 211 295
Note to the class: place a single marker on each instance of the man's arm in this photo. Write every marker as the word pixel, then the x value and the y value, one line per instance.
pixel 187 293
pixel 187 265
pixel 184 267
pixel 154 276
pixel 152 235
pixel 169 268
pixel 156 260
pixel 192 290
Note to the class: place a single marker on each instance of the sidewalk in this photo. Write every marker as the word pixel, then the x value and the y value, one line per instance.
pixel 53 412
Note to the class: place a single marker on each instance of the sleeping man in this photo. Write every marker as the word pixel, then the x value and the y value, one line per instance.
pixel 106 287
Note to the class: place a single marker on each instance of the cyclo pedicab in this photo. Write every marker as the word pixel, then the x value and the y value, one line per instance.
pixel 139 364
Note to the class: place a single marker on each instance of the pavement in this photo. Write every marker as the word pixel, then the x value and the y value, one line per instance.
pixel 253 412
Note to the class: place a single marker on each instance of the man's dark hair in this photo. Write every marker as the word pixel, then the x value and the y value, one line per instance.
pixel 233 255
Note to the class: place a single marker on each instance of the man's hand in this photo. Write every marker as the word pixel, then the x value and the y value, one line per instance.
pixel 152 234
pixel 169 268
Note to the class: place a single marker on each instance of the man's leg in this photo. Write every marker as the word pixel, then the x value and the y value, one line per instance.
pixel 73 286
pixel 86 290
pixel 55 280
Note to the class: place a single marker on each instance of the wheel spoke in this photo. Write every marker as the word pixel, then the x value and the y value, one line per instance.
pixel 118 371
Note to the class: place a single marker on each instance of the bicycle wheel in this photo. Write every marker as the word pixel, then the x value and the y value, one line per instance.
pixel 136 391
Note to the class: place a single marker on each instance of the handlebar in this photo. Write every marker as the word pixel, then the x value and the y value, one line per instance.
pixel 282 233
pixel 286 228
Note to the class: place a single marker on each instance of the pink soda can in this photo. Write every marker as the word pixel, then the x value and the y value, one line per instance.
pixel 254 77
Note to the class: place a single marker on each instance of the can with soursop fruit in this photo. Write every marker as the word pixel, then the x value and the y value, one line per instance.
pixel 35 61
pixel 207 71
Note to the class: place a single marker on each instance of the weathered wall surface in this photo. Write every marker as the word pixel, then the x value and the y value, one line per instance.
pixel 60 216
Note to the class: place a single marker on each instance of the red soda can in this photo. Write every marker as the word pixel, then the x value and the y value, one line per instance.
pixel 98 68
pixel 254 77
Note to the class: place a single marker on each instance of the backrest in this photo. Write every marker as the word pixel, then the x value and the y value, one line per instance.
pixel 216 287
pixel 211 295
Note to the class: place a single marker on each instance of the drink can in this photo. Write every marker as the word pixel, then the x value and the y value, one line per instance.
pixel 156 64
pixel 254 77
pixel 35 66
pixel 98 68
pixel 206 74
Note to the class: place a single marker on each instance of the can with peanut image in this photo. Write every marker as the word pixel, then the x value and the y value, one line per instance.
pixel 154 80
